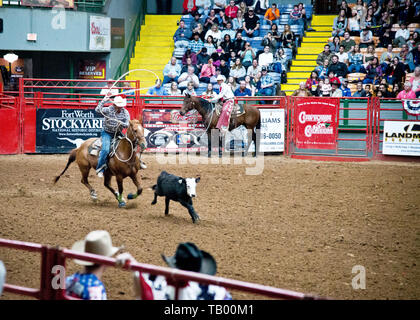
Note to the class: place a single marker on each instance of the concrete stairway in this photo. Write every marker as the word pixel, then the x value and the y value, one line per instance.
pixel 154 49
pixel 312 44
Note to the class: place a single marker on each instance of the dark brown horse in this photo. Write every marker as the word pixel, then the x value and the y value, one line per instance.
pixel 251 119
pixel 124 163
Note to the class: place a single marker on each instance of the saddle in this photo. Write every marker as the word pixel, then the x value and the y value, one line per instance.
pixel 237 111
pixel 96 146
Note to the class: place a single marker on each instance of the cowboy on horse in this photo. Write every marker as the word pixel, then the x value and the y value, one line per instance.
pixel 116 119
pixel 227 97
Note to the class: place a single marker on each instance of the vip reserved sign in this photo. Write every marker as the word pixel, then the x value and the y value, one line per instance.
pixel 401 138
pixel 59 130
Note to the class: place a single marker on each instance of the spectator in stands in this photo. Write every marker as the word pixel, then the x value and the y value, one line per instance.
pixel 406 13
pixel 218 55
pixel 187 77
pixel 295 17
pixel 182 36
pixel 369 22
pixel 249 85
pixel 242 90
pixel 173 90
pixel 269 41
pixel 208 72
pixel 415 81
pixel 304 17
pixel 344 6
pixel 302 91
pixel 219 5
pixel 196 44
pixel 267 84
pixel 223 20
pixel 232 83
pixel 384 93
pixel 215 33
pixel 361 9
pixel 211 20
pixel 238 43
pixel 203 6
pixel 157 90
pixel 386 38
pixel 335 89
pixel 369 55
pixel 392 8
pixel 238 22
pixel 373 72
pixel 343 57
pixel 407 93
pixel 312 83
pixel 202 58
pixel 416 54
pixel 251 24
pixel 189 64
pixel 396 88
pixel 231 10
pixel 243 6
pixel 348 42
pixel 209 45
pixel 280 61
pixel 228 31
pixel 232 58
pixel 376 9
pixel 335 45
pixel 401 36
pixel 189 54
pixel 200 31
pixel 87 285
pixel 287 39
pixel 332 77
pixel 190 89
pixel 209 93
pixel 227 45
pixel 266 58
pixel 340 24
pixel 359 93
pixel 2 276
pixel 384 23
pixel 224 68
pixel 395 71
pixel 238 71
pixel 353 24
pixel 414 40
pixel 406 57
pixel 171 71
pixel 366 38
pixel 256 82
pixel 324 55
pixel 368 90
pixel 261 6
pixel 272 15
pixel 247 55
pixel 388 54
pixel 275 32
pixel 345 89
pixel 189 7
pixel 322 70
pixel 194 24
pixel 253 69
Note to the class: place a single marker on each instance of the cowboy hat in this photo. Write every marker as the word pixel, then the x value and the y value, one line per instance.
pixel 189 257
pixel 96 242
pixel 120 101
pixel 220 78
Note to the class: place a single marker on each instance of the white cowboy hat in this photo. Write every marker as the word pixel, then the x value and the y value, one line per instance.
pixel 120 101
pixel 96 242
pixel 220 77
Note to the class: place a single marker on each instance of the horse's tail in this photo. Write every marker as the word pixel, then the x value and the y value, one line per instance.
pixel 72 157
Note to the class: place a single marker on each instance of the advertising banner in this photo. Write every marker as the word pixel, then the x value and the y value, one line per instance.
pixel 100 33
pixel 401 138
pixel 316 123
pixel 117 33
pixel 272 130
pixel 61 130
pixel 167 131
pixel 48 3
pixel 92 70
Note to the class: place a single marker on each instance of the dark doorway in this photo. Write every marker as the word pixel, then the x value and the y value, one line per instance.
pixel 326 7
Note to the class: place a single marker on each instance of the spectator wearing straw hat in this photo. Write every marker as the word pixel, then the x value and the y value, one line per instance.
pixel 87 285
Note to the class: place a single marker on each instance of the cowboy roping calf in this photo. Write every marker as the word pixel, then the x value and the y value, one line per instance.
pixel 176 189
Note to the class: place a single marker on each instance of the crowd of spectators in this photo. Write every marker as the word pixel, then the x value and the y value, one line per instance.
pixel 215 40
pixel 376 47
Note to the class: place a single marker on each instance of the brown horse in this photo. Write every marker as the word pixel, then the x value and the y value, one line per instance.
pixel 251 119
pixel 123 164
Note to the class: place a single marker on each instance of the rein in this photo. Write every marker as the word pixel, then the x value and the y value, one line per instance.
pixel 131 145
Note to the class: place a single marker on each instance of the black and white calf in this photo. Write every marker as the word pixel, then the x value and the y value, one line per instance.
pixel 176 189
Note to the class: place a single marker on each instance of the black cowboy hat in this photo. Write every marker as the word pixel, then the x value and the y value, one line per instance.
pixel 188 257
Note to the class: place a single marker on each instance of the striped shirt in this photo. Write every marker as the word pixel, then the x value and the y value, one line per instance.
pixel 196 46
pixel 266 80
pixel 112 122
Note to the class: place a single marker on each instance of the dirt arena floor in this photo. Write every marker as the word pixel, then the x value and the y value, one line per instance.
pixel 301 225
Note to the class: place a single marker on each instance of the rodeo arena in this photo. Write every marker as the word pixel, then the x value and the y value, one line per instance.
pixel 287 136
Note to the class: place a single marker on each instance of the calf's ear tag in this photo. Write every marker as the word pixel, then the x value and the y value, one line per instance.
pixel 180 181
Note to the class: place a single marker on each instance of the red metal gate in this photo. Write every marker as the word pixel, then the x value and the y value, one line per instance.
pixel 9 125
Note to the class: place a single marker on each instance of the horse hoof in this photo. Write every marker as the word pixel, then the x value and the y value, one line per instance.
pixel 131 196
pixel 121 205
pixel 153 203
pixel 196 219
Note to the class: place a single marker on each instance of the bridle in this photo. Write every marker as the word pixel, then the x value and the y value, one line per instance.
pixel 132 145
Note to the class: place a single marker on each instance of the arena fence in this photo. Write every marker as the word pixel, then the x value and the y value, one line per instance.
pixel 356 128
pixel 51 257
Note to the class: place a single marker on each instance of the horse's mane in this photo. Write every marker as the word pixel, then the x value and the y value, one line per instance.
pixel 206 105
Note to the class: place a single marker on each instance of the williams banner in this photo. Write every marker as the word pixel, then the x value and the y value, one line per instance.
pixel 168 131
pixel 272 130
pixel 60 130
pixel 316 123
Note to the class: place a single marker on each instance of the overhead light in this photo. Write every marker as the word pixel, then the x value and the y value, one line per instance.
pixel 10 57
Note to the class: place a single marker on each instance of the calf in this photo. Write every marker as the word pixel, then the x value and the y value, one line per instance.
pixel 176 189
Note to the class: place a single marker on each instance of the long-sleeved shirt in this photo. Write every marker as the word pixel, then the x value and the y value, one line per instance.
pixel 225 93
pixel 207 71
pixel 186 32
pixel 172 69
pixel 196 46
pixel 114 121
pixel 403 33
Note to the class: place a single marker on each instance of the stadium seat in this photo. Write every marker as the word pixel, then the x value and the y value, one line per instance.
pixel 356 76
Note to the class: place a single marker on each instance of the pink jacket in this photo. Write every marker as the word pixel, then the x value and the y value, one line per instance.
pixel 207 71
pixel 406 95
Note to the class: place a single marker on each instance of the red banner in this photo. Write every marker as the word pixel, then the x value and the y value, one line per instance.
pixel 316 123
